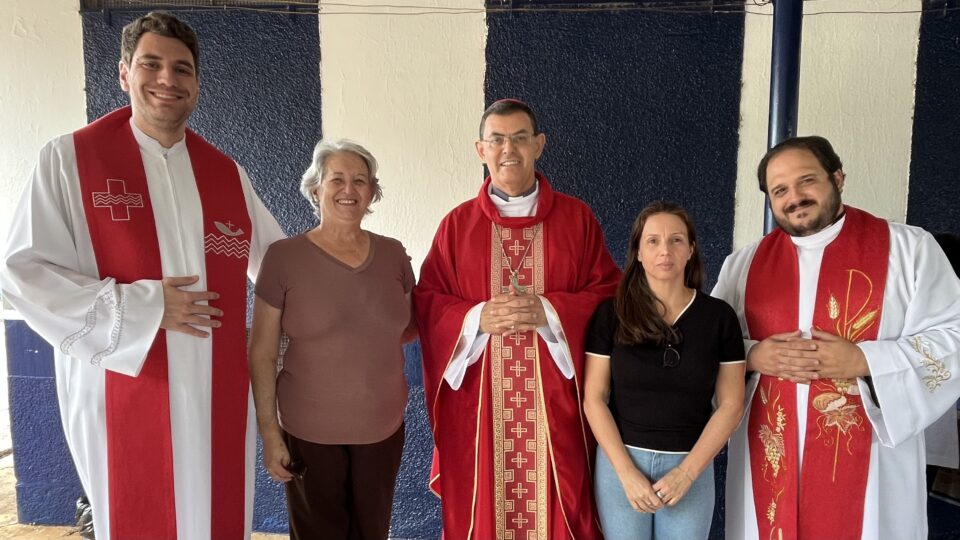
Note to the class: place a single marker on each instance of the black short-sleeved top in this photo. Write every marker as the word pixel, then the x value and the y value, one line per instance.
pixel 662 408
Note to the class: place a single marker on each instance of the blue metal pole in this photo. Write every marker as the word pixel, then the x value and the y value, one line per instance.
pixel 784 80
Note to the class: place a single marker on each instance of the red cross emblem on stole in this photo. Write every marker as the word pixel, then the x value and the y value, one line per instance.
pixel 117 200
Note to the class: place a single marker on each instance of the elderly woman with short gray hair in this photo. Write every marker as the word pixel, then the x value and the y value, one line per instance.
pixel 332 418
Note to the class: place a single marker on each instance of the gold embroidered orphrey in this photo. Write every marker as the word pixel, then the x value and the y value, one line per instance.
pixel 834 411
pixel 771 435
pixel 838 413
pixel 515 248
pixel 852 327
pixel 773 445
pixel 519 421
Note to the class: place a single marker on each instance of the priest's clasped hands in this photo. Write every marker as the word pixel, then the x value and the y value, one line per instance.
pixel 512 312
pixel 184 310
pixel 801 360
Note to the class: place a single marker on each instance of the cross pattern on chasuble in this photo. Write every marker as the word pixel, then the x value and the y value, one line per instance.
pixel 519 423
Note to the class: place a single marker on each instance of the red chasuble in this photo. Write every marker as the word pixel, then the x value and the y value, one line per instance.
pixel 513 452
pixel 825 498
pixel 120 218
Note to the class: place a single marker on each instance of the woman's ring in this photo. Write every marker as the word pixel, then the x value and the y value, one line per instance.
pixel 659 495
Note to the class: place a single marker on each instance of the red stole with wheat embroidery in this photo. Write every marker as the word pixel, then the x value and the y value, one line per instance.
pixel 825 498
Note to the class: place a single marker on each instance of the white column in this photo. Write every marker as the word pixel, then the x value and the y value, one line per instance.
pixel 857 75
pixel 410 89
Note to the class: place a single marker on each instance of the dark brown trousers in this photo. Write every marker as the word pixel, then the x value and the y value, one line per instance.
pixel 347 489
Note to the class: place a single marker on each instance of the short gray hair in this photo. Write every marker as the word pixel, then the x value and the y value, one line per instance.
pixel 314 175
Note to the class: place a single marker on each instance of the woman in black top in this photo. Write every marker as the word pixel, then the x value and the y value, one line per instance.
pixel 657 354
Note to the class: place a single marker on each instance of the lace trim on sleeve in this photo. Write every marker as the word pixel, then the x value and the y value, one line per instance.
pixel 111 301
pixel 118 307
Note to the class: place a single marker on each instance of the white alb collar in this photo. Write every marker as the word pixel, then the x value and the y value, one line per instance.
pixel 524 206
pixel 820 238
pixel 153 146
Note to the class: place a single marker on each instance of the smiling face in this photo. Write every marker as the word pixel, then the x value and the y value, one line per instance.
pixel 345 191
pixel 511 164
pixel 163 86
pixel 804 197
pixel 665 248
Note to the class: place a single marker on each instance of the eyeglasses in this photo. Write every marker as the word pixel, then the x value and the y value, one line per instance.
pixel 671 356
pixel 517 139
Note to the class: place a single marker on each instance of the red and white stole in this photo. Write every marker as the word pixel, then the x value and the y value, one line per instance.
pixel 825 499
pixel 116 203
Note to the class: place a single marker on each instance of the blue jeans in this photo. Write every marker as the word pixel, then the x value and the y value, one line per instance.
pixel 689 520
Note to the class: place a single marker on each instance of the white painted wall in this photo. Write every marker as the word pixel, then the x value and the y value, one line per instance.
pixel 41 96
pixel 410 89
pixel 857 76
pixel 41 88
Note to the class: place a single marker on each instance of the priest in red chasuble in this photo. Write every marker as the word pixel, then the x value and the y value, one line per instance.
pixel 852 328
pixel 129 253
pixel 505 296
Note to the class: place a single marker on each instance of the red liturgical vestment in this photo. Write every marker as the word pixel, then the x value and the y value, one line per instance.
pixel 802 503
pixel 513 452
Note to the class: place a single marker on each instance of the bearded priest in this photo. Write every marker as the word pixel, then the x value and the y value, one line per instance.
pixel 852 327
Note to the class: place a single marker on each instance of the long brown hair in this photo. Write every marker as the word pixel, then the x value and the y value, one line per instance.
pixel 638 309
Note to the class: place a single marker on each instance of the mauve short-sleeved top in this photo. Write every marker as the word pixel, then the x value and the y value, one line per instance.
pixel 342 380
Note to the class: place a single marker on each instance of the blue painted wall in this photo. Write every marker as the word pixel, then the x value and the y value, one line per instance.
pixel 416 511
pixel 935 154
pixel 47 484
pixel 636 107
pixel 259 94
pixel 935 162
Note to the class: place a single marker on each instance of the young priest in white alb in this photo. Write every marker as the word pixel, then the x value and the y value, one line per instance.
pixel 130 253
